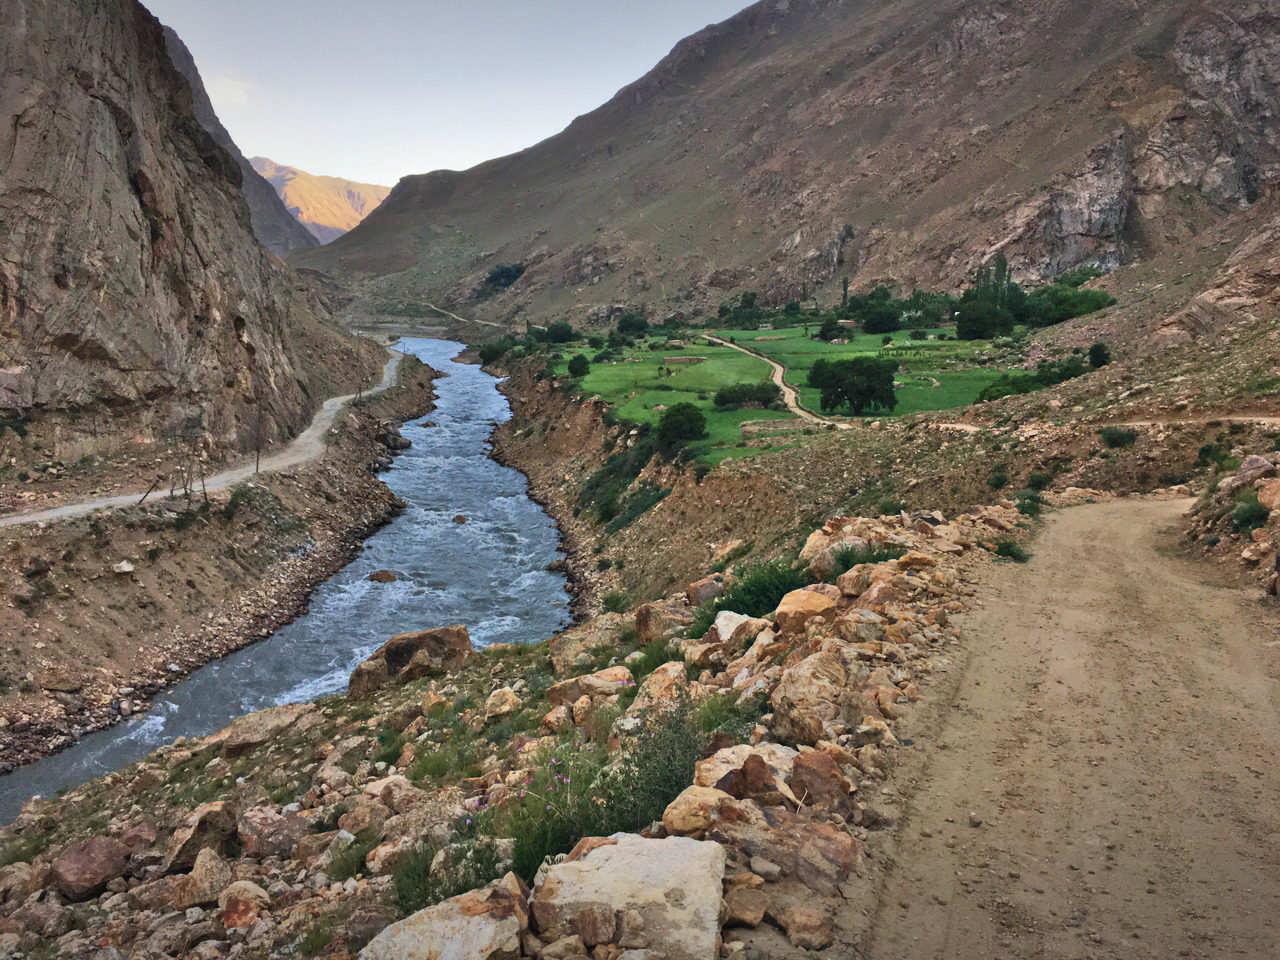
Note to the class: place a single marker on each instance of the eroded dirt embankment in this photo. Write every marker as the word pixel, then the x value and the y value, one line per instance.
pixel 100 612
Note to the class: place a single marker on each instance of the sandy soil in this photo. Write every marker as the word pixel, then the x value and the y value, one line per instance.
pixel 1104 782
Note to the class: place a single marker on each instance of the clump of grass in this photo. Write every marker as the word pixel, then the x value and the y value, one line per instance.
pixel 1116 438
pixel 25 849
pixel 755 593
pixel 1030 503
pixel 347 863
pixel 651 658
pixel 415 886
pixel 390 743
pixel 316 937
pixel 1012 550
pixel 846 558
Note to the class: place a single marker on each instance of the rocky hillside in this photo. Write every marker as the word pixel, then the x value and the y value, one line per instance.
pixel 326 206
pixel 136 306
pixel 685 781
pixel 805 140
pixel 273 225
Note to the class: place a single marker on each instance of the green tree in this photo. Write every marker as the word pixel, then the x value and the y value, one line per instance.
pixel 680 425
pixel 830 330
pixel 880 316
pixel 579 365
pixel 981 320
pixel 861 384
pixel 633 325
pixel 560 332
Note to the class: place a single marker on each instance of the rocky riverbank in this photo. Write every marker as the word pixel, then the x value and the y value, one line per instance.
pixel 744 755
pixel 176 584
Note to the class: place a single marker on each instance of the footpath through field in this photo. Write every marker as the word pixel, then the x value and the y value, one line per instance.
pixel 306 446
pixel 1104 781
pixel 778 374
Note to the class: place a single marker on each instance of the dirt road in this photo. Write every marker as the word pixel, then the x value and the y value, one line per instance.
pixel 778 374
pixel 1115 738
pixel 305 446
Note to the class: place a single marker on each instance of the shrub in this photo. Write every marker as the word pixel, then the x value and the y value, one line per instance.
pixel 1039 480
pixel 1248 514
pixel 579 366
pixel 1099 355
pixel 415 886
pixel 1009 385
pixel 919 334
pixel 891 507
pixel 998 479
pixel 1012 550
pixel 651 658
pixel 1030 503
pixel 559 332
pixel 635 505
pixel 1118 437
pixel 632 324
pixel 616 602
pixel 349 862
pixel 1058 302
pixel 982 320
pixel 241 495
pixel 390 743
pixel 743 394
pixel 495 350
pixel 756 593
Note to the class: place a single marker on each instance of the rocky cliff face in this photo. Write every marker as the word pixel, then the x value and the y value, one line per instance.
pixel 134 299
pixel 328 207
pixel 804 140
pixel 273 225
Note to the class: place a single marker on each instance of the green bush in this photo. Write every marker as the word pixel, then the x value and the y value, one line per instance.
pixel 349 862
pixel 1039 481
pixel 1099 355
pixel 1012 550
pixel 579 366
pixel 1030 503
pixel 1118 437
pixel 616 602
pixel 679 426
pixel 651 658
pixel 998 478
pixel 635 505
pixel 501 277
pixel 1248 514
pixel 755 593
pixel 390 743
pixel 1058 302
pixel 415 886
pixel 889 508
pixel 743 394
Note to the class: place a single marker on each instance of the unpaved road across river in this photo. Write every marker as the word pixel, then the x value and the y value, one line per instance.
pixel 1116 731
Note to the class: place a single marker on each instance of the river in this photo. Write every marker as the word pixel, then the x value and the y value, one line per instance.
pixel 489 573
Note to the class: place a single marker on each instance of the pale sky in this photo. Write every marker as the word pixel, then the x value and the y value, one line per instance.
pixel 374 90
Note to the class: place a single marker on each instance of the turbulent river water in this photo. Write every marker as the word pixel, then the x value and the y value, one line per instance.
pixel 489 573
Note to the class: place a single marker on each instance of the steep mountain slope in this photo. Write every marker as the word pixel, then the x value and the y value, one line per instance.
pixel 805 140
pixel 273 225
pixel 135 303
pixel 326 206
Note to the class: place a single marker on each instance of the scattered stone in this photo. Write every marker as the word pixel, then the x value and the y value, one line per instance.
pixel 83 870
pixel 383 576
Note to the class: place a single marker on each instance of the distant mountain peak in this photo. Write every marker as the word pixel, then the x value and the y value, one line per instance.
pixel 327 206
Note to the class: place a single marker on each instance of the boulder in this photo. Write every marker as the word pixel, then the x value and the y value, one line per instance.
pixel 811 852
pixel 806 927
pixel 603 683
pixel 758 771
pixel 800 606
pixel 1269 496
pixel 817 782
pixel 746 906
pixel 265 832
pixel 568 647
pixel 394 792
pixel 257 728
pixel 660 688
pixel 705 590
pixel 661 621
pixel 690 813
pixel 209 876
pixel 824 564
pixel 383 576
pixel 669 891
pixel 209 825
pixel 806 700
pixel 484 924
pixel 410 656
pixel 501 703
pixel 241 903
pixel 84 869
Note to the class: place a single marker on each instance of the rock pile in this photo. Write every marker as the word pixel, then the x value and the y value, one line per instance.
pixel 1241 517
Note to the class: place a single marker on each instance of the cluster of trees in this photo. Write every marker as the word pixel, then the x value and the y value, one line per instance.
pixel 995 303
pixel 747 395
pixel 860 384
pixel 1048 373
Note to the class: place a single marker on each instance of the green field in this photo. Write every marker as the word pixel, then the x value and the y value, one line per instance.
pixel 641 384
pixel 949 362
